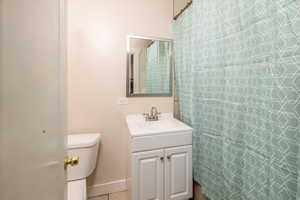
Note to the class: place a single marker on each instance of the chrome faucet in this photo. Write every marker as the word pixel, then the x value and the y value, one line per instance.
pixel 153 116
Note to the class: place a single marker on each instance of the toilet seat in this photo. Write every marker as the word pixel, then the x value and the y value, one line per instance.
pixel 77 190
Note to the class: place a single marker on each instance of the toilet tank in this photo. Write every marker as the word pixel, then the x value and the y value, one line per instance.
pixel 85 146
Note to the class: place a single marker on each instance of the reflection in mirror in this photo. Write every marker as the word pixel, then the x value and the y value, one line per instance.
pixel 149 67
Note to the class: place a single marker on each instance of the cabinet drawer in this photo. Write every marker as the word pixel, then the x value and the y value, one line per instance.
pixel 166 140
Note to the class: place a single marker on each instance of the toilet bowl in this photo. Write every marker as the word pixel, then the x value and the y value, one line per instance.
pixel 77 190
pixel 85 146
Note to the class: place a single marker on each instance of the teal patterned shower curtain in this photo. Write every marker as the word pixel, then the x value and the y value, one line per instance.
pixel 237 65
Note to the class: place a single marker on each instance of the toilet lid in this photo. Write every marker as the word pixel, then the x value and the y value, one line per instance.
pixel 83 140
pixel 77 190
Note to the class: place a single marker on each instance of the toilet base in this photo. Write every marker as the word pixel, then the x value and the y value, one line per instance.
pixel 77 190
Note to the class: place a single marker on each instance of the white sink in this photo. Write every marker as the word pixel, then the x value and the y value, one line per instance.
pixel 166 132
pixel 138 126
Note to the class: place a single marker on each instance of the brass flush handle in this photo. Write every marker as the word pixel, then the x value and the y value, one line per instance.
pixel 72 161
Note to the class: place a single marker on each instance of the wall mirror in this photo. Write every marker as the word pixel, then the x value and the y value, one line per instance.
pixel 149 67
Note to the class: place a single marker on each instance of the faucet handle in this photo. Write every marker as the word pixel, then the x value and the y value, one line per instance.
pixel 146 116
pixel 158 115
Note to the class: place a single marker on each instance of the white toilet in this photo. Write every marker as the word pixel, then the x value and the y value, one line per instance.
pixel 85 146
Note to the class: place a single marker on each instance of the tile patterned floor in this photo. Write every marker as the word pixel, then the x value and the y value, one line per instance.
pixel 113 196
pixel 123 195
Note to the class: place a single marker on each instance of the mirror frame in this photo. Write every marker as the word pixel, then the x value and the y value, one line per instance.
pixel 128 71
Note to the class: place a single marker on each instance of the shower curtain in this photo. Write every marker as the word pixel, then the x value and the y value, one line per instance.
pixel 237 65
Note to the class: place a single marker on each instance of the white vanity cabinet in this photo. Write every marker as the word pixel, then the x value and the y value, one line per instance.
pixel 160 159
pixel 162 174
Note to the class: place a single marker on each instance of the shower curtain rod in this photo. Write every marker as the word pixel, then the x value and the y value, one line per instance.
pixel 150 43
pixel 183 9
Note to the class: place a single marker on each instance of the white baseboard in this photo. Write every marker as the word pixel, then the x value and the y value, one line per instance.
pixel 107 188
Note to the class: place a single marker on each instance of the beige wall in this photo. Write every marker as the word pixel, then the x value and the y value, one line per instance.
pixel 97 31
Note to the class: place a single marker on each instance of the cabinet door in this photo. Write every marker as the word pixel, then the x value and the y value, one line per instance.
pixel 178 173
pixel 147 174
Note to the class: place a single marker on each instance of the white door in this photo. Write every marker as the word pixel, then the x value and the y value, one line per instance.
pixel 31 100
pixel 178 173
pixel 147 175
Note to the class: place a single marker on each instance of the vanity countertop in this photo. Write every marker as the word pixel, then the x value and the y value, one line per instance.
pixel 138 126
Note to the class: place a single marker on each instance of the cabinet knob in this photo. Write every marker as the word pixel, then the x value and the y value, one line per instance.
pixel 162 158
pixel 169 157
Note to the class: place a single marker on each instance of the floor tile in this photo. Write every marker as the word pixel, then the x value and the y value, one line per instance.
pixel 118 196
pixel 102 197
